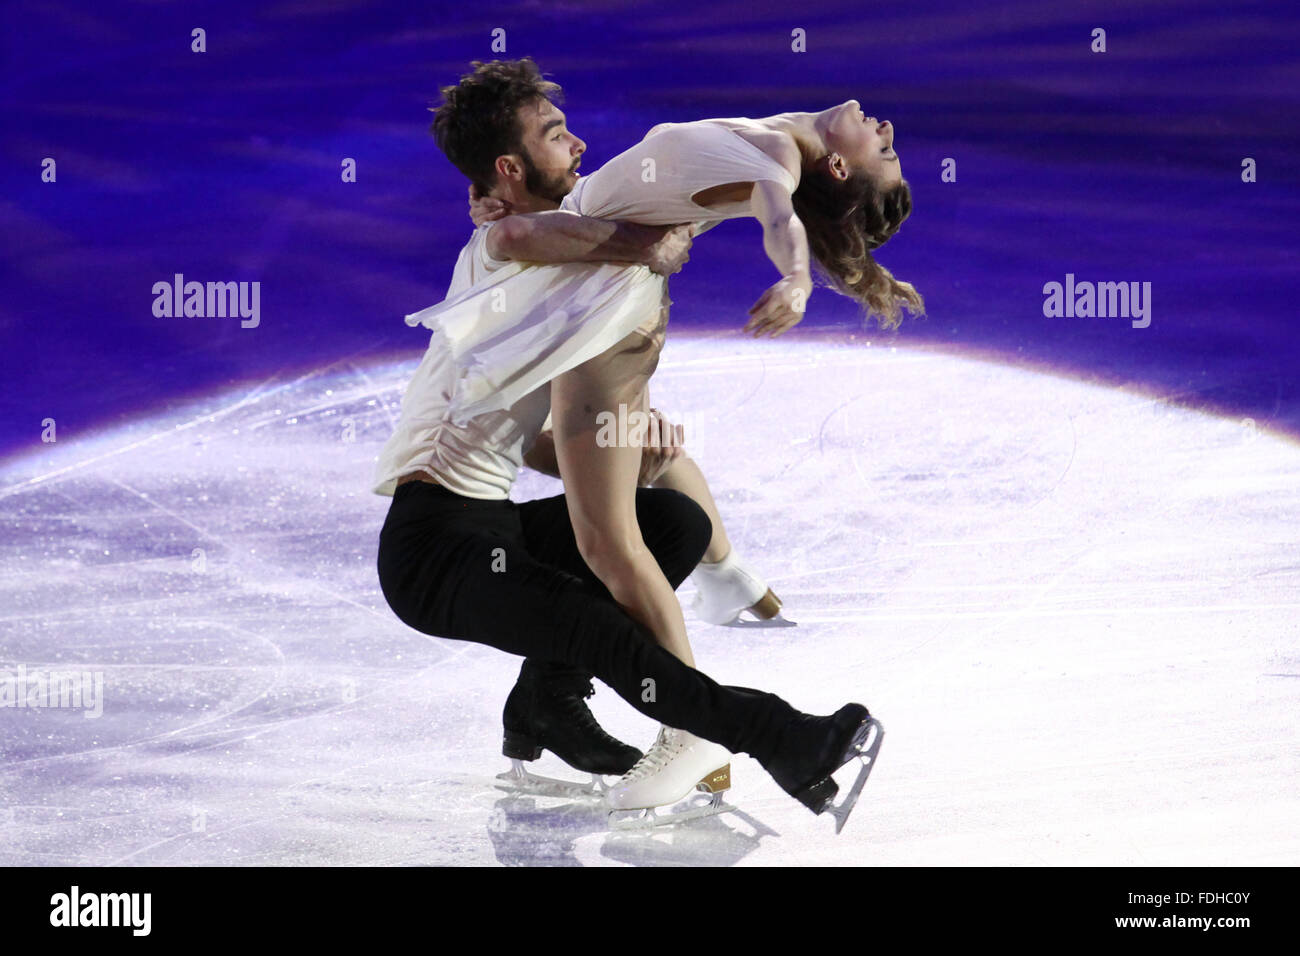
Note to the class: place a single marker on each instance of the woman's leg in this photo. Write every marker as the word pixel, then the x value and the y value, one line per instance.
pixel 675 529
pixel 685 476
pixel 590 404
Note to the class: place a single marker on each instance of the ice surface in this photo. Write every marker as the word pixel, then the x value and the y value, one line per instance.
pixel 1074 609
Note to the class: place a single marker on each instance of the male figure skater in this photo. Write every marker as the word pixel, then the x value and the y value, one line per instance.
pixel 546 710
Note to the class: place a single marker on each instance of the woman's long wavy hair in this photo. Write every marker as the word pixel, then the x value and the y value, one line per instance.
pixel 846 220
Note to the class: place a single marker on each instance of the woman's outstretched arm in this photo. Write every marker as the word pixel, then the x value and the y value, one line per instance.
pixel 786 243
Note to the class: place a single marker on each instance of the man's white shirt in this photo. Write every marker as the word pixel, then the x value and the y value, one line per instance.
pixel 482 458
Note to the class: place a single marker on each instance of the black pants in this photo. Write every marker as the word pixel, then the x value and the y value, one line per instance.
pixel 510 576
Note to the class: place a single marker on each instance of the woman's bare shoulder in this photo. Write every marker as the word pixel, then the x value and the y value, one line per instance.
pixel 778 146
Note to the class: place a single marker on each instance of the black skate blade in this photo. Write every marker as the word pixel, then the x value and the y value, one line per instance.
pixel 867 756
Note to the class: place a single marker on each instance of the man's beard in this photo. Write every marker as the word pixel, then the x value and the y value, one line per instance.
pixel 552 187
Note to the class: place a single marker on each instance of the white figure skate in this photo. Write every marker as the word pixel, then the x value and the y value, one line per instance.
pixel 730 588
pixel 674 773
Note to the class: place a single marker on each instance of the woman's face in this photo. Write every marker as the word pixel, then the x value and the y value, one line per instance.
pixel 867 146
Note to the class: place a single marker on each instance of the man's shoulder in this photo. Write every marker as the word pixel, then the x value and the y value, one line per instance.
pixel 479 235
pixel 480 250
pixel 474 262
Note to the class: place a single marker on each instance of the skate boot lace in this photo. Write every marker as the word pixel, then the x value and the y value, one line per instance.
pixel 666 746
pixel 572 700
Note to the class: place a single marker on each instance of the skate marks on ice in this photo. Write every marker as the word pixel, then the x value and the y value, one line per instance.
pixel 541 831
pixel 987 553
pixel 981 554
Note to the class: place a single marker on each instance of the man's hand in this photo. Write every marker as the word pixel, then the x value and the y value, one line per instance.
pixel 662 446
pixel 781 307
pixel 667 254
pixel 484 208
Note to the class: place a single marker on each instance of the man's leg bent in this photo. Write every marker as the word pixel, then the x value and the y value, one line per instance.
pixel 675 529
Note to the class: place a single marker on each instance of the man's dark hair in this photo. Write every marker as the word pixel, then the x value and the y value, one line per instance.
pixel 477 120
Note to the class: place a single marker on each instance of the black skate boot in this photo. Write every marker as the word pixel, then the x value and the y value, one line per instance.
pixel 547 710
pixel 815 747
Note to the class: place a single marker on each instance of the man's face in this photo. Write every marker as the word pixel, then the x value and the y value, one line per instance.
pixel 551 153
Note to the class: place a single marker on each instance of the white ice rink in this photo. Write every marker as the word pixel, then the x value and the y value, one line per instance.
pixel 1075 609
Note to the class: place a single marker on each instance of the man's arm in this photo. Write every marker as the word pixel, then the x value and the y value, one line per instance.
pixel 560 236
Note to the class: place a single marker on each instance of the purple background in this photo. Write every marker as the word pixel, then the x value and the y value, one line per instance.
pixel 225 166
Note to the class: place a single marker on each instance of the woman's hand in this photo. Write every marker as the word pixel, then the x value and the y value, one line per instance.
pixel 662 446
pixel 484 208
pixel 781 307
pixel 671 250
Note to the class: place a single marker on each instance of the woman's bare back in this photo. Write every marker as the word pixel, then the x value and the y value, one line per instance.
pixel 774 143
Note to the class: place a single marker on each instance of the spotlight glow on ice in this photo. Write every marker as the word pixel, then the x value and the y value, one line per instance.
pixel 1074 608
